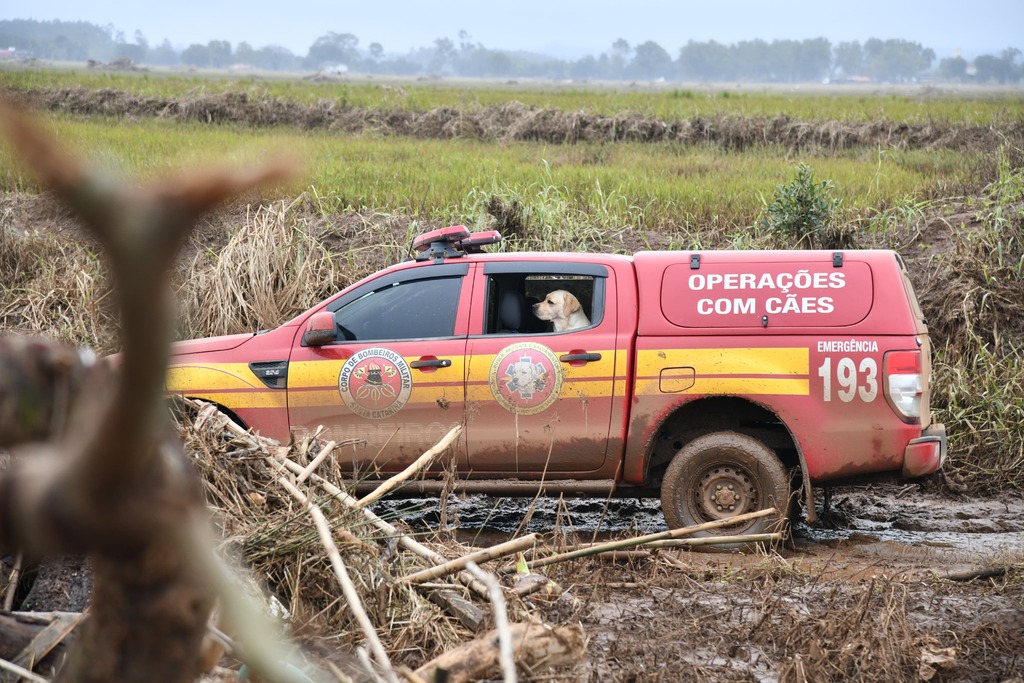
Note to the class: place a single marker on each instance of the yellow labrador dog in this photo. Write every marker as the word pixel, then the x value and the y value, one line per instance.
pixel 563 310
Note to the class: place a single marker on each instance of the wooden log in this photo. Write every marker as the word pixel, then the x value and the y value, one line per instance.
pixel 46 640
pixel 534 646
pixel 468 614
pixel 982 573
pixel 19 630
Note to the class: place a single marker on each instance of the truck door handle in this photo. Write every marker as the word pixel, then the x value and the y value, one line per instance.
pixel 577 357
pixel 431 363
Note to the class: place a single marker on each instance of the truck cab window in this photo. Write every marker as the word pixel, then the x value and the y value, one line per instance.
pixel 416 309
pixel 522 303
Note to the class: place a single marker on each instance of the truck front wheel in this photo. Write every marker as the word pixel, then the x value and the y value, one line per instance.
pixel 722 475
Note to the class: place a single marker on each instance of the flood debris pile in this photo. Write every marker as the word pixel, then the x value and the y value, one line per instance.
pixel 423 606
pixel 267 500
pixel 517 121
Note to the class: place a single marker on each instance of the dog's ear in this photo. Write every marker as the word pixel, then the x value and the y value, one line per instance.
pixel 570 304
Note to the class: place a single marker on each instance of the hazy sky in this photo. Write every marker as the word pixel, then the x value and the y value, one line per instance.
pixel 564 28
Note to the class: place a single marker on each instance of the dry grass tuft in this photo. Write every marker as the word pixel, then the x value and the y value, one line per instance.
pixel 54 288
pixel 269 270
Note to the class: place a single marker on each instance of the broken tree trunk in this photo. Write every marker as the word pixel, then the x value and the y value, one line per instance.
pixel 117 486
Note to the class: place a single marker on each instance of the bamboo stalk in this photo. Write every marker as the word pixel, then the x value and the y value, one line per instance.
pixel 658 536
pixel 500 550
pixel 412 469
pixel 715 540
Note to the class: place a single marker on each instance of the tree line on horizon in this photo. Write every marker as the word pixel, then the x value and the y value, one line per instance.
pixel 785 61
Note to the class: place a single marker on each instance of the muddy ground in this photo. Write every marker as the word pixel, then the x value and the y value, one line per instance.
pixel 892 583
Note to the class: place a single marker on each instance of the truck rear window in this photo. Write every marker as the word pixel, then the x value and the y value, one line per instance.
pixel 778 294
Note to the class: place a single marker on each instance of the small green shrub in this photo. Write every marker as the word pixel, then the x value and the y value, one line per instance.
pixel 804 213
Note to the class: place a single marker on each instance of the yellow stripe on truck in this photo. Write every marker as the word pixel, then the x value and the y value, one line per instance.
pixel 315 383
pixel 228 384
pixel 185 378
pixel 322 373
pixel 751 371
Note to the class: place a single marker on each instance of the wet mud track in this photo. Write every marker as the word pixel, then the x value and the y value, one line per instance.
pixel 894 583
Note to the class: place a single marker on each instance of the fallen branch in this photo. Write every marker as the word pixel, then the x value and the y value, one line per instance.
pixel 315 462
pixel 501 625
pixel 983 573
pixel 485 555
pixel 21 672
pixel 410 544
pixel 47 639
pixel 12 582
pixel 417 465
pixel 584 551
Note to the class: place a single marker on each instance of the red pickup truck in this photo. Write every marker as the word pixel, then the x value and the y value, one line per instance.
pixel 723 381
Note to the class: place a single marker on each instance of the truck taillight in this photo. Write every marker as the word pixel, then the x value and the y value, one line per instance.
pixel 904 384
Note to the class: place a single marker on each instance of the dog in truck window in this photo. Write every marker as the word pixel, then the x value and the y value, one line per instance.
pixel 563 310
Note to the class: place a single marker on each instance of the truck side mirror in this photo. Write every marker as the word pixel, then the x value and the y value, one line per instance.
pixel 320 330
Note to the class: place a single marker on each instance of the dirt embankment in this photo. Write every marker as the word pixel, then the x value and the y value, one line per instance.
pixel 516 121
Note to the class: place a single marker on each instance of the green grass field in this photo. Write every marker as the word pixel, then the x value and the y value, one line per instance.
pixel 851 104
pixel 665 187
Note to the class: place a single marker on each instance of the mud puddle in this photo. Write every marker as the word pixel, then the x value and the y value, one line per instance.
pixel 898 518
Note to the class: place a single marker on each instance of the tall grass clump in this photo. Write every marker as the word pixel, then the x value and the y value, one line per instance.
pixel 546 216
pixel 269 270
pixel 973 301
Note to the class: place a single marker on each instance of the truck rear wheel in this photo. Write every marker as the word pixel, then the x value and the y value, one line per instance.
pixel 722 475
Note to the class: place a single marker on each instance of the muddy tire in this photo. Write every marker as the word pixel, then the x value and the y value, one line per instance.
pixel 722 475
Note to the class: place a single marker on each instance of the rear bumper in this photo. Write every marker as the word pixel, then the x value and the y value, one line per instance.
pixel 925 454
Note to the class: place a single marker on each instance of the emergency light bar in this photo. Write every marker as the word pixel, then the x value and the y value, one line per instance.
pixel 452 242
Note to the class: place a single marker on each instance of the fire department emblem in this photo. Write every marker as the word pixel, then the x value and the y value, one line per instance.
pixel 375 383
pixel 526 378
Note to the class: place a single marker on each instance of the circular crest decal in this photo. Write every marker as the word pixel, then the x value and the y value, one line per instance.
pixel 375 383
pixel 526 378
